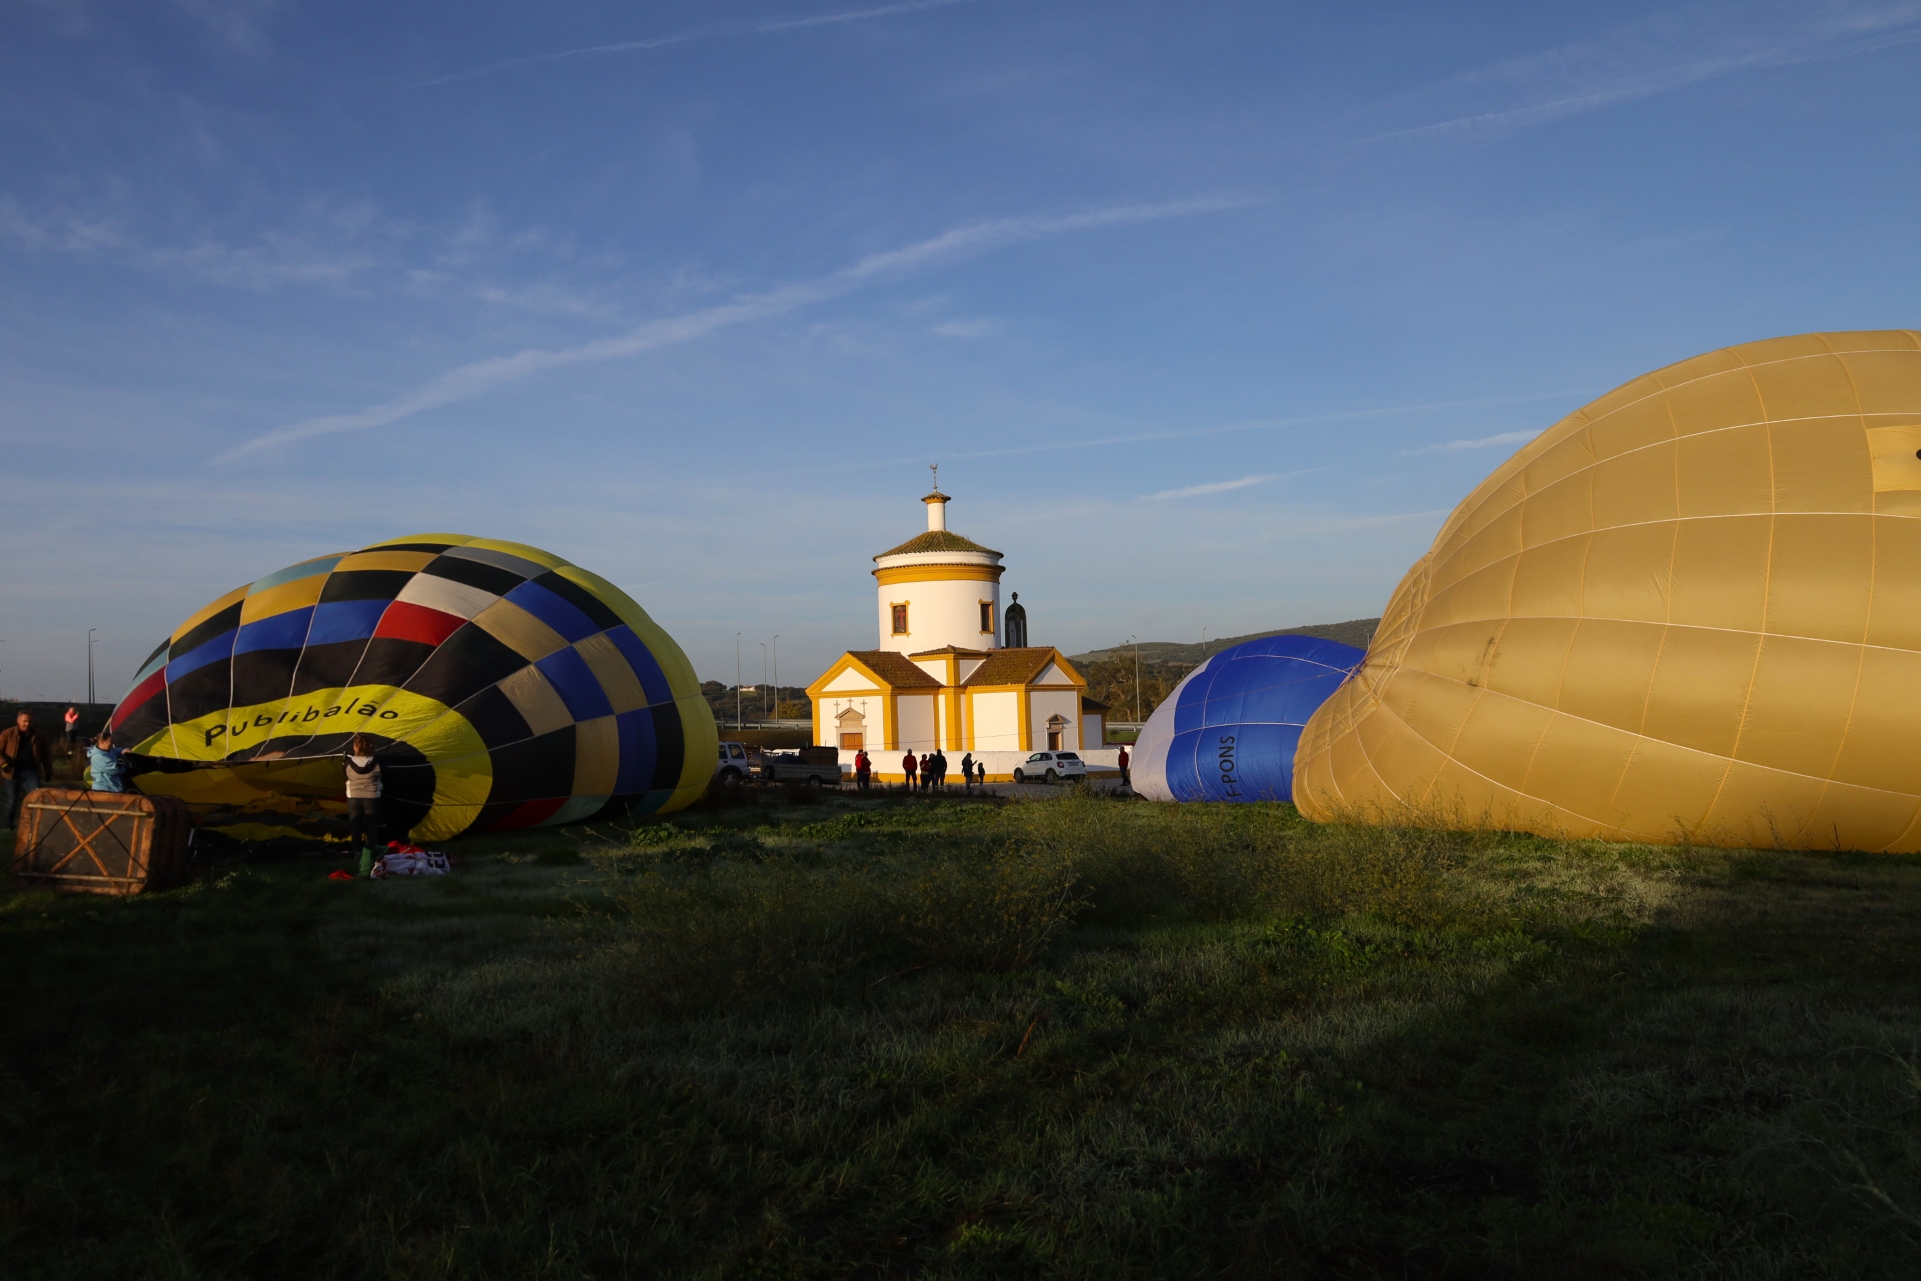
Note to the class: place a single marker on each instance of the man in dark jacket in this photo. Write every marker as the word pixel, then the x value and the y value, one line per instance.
pixel 23 763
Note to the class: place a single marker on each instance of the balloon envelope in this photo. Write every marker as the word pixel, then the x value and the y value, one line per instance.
pixel 1229 729
pixel 1689 611
pixel 501 686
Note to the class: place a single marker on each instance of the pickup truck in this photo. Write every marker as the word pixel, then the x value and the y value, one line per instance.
pixel 815 767
pixel 734 767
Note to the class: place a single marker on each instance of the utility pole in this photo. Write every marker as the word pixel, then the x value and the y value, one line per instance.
pixel 1137 678
pixel 90 632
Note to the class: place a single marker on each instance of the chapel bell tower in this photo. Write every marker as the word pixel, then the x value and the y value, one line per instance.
pixel 938 590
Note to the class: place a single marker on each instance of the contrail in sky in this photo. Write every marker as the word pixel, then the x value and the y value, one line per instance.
pixel 736 27
pixel 468 381
pixel 1661 53
pixel 1260 424
pixel 1217 487
pixel 1455 446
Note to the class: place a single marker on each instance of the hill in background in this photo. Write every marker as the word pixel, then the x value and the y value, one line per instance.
pixel 1112 673
pixel 1356 632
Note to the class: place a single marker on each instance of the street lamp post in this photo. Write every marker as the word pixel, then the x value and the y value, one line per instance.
pixel 736 682
pixel 763 680
pixel 90 632
pixel 1203 643
pixel 776 676
pixel 1137 678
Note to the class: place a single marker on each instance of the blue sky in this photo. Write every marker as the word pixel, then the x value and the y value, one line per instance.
pixel 1209 313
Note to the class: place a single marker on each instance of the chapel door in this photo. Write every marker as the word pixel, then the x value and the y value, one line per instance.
pixel 853 729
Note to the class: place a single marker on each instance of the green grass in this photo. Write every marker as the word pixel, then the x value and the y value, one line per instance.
pixel 1080 1038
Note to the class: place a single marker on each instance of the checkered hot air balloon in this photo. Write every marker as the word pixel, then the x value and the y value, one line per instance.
pixel 503 688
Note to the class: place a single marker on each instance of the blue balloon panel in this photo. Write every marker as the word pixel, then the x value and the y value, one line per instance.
pixel 1229 730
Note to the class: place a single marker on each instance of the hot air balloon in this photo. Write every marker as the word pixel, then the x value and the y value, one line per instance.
pixel 1229 729
pixel 502 686
pixel 1690 610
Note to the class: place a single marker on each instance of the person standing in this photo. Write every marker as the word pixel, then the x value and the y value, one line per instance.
pixel 23 763
pixel 967 772
pixel 863 769
pixel 106 764
pixel 1126 781
pixel 73 725
pixel 908 767
pixel 940 771
pixel 980 772
pixel 363 800
pixel 926 772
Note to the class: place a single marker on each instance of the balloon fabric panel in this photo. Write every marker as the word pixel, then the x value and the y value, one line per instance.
pixel 1686 612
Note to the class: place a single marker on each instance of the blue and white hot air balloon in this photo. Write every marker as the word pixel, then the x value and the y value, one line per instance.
pixel 1228 731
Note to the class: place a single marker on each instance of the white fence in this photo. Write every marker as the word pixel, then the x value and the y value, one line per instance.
pixel 1102 762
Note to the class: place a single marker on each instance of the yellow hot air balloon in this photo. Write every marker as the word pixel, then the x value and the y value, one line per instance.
pixel 1688 611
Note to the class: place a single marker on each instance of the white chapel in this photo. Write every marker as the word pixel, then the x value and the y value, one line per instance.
pixel 939 674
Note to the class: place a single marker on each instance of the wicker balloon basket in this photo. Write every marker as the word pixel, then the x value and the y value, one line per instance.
pixel 100 842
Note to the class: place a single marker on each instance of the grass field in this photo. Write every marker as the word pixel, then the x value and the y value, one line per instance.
pixel 1079 1038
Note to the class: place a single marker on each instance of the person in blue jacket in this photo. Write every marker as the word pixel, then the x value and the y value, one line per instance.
pixel 106 763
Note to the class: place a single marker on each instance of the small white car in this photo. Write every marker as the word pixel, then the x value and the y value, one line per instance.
pixel 1050 767
pixel 733 767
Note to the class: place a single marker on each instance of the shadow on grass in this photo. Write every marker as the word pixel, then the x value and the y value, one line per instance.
pixel 902 1038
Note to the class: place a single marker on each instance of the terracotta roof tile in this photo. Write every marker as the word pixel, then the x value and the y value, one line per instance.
pixel 938 540
pixel 894 668
pixel 1012 666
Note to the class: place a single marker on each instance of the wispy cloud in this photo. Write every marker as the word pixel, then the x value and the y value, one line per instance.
pixel 1484 442
pixel 471 380
pixel 271 258
pixel 735 27
pixel 238 25
pixel 979 328
pixel 1217 487
pixel 1655 55
pixel 1224 429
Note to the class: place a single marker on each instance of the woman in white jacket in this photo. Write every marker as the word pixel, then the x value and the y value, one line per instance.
pixel 363 800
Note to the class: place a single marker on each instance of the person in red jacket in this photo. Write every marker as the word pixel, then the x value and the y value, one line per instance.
pixel 863 769
pixel 908 766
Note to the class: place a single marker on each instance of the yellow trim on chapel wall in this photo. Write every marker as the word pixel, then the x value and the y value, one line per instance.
pixel 936 573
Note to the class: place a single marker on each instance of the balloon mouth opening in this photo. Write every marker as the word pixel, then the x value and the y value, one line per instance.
pixel 296 775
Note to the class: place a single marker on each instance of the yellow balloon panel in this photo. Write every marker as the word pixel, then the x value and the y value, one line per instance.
pixel 1690 610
